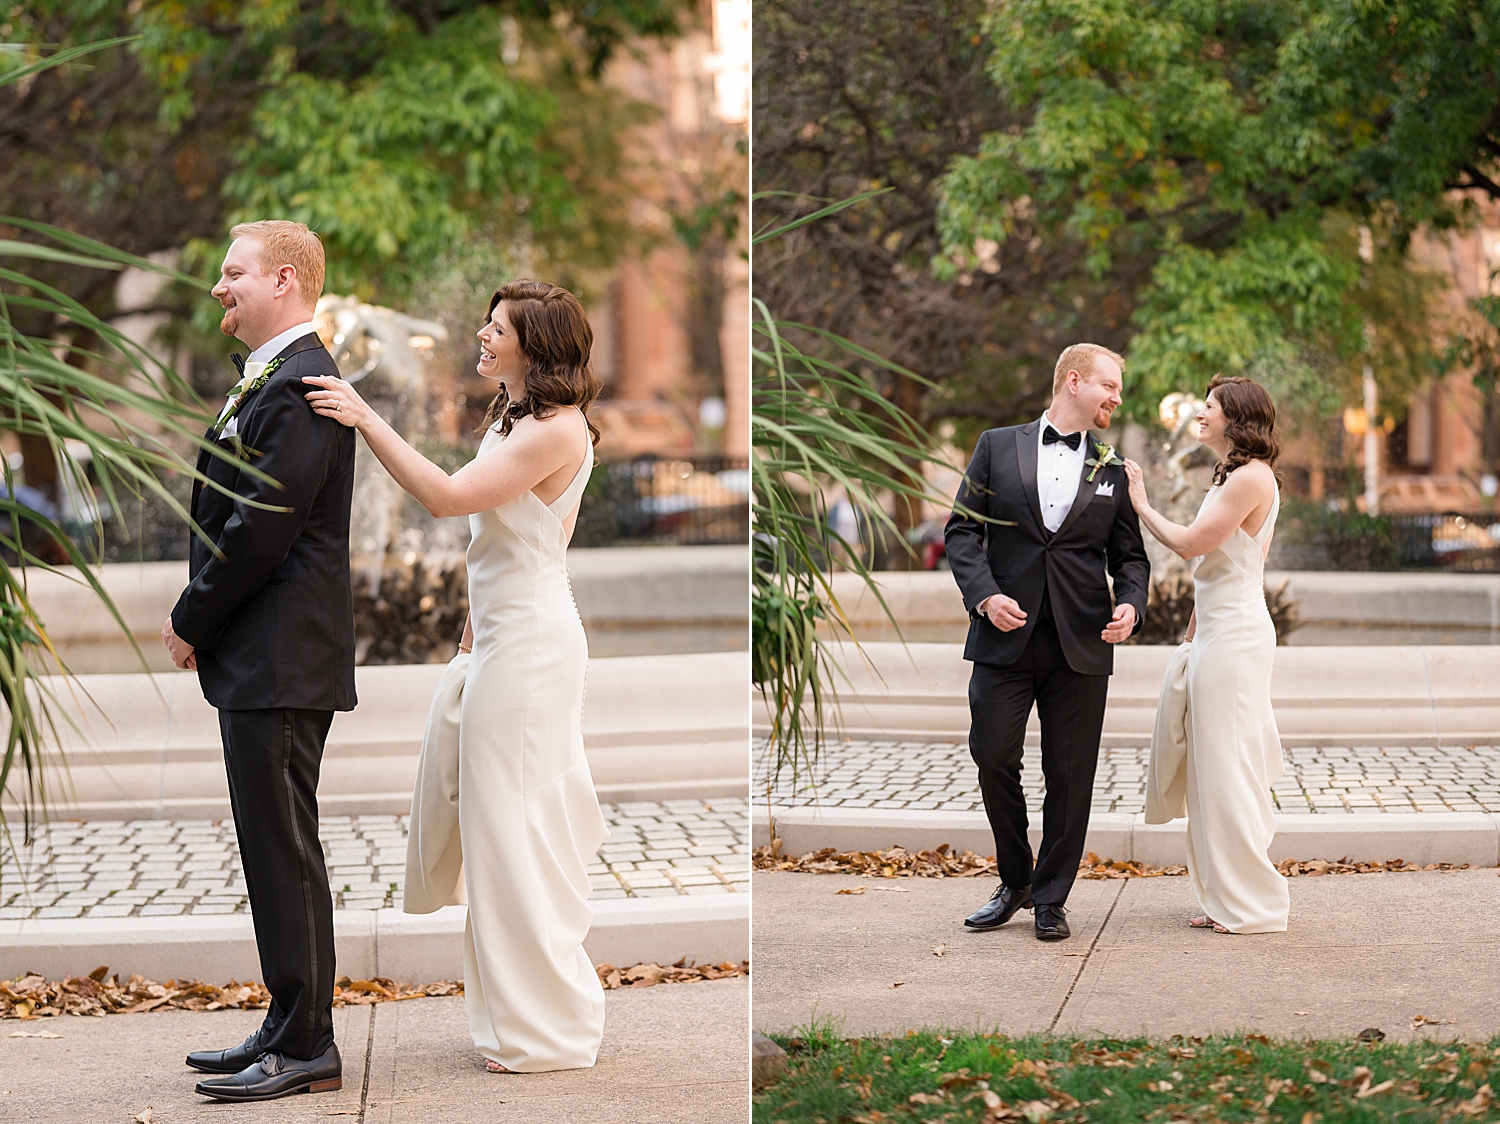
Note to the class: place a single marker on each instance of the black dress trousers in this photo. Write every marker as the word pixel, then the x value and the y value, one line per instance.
pixel 273 758
pixel 1070 706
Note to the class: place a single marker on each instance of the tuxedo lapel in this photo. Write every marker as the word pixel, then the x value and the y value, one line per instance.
pixel 303 343
pixel 1085 494
pixel 1026 463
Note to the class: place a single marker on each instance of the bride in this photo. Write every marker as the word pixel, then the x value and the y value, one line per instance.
pixel 1224 752
pixel 527 815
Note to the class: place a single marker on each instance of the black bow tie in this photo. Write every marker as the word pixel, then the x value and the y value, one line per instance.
pixel 1050 436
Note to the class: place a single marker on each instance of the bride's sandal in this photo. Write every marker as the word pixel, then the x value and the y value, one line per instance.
pixel 1206 923
pixel 495 1067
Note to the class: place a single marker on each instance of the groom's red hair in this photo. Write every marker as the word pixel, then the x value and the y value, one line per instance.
pixel 283 242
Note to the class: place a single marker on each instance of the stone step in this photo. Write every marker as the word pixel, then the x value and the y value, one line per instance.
pixel 404 947
pixel 1426 837
pixel 1470 601
pixel 1322 696
pixel 147 746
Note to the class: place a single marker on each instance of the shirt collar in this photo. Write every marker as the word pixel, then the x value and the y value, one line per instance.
pixel 1046 421
pixel 274 347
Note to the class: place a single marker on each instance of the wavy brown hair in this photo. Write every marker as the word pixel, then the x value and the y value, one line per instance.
pixel 1249 424
pixel 553 333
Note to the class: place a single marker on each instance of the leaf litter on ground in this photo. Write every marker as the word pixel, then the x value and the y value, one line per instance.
pixel 945 862
pixel 101 993
pixel 649 975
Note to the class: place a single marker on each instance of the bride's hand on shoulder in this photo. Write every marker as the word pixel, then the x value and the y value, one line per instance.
pixel 1137 481
pixel 333 398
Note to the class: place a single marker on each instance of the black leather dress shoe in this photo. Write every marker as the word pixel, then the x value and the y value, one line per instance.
pixel 1050 923
pixel 999 909
pixel 276 1075
pixel 231 1060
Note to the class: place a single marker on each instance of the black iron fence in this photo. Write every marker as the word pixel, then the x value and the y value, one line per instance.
pixel 1463 543
pixel 693 501
pixel 1314 537
pixel 699 501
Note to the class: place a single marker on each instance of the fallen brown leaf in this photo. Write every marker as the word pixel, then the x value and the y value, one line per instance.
pixel 99 993
pixel 943 862
pixel 1423 1020
pixel 1094 867
pixel 898 862
pixel 1291 868
pixel 850 890
pixel 142 1117
pixel 649 975
pixel 898 983
pixel 939 949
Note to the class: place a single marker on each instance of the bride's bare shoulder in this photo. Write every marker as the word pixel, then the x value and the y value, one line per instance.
pixel 1260 476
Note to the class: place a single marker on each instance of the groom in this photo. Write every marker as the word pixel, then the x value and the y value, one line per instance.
pixel 1041 627
pixel 267 620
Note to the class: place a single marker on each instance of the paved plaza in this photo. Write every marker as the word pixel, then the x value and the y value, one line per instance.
pixel 159 868
pixel 939 776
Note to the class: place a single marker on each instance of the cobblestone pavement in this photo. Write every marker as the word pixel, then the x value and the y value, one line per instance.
pixel 940 776
pixel 161 868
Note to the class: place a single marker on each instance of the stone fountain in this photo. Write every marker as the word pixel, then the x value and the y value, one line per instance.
pixel 386 352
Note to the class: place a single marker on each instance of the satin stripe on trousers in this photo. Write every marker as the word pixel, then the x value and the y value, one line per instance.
pixel 1071 709
pixel 273 758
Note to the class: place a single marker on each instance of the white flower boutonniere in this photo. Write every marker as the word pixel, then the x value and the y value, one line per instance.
pixel 1104 456
pixel 242 390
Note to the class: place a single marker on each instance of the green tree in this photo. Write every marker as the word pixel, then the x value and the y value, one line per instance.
pixel 129 412
pixel 1185 183
pixel 394 129
pixel 819 427
pixel 1268 160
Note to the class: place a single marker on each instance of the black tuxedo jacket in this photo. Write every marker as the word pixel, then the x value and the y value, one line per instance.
pixel 1028 562
pixel 271 613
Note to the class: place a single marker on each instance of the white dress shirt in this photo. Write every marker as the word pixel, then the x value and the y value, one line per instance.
pixel 257 363
pixel 1058 469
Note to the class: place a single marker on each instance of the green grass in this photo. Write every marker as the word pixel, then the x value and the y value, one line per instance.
pixel 993 1079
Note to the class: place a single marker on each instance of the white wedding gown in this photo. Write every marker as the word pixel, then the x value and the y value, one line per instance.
pixel 528 821
pixel 1229 751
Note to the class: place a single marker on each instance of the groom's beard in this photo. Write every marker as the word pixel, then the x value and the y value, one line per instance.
pixel 1101 419
pixel 230 322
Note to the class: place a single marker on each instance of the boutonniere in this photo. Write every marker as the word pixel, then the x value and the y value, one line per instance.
pixel 241 390
pixel 1104 456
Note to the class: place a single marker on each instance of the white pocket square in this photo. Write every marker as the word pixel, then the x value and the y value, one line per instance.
pixel 1105 489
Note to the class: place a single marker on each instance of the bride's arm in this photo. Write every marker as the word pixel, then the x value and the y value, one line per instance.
pixel 1240 496
pixel 530 454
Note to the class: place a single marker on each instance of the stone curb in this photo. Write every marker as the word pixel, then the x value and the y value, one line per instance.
pixel 1419 837
pixel 386 942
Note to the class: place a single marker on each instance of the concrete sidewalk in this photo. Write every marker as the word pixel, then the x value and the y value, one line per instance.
pixel 673 1052
pixel 1362 951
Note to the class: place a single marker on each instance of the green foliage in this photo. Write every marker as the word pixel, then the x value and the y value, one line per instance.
pixel 87 383
pixel 817 428
pixel 396 130
pixel 1238 147
pixel 961 1076
pixel 1353 539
